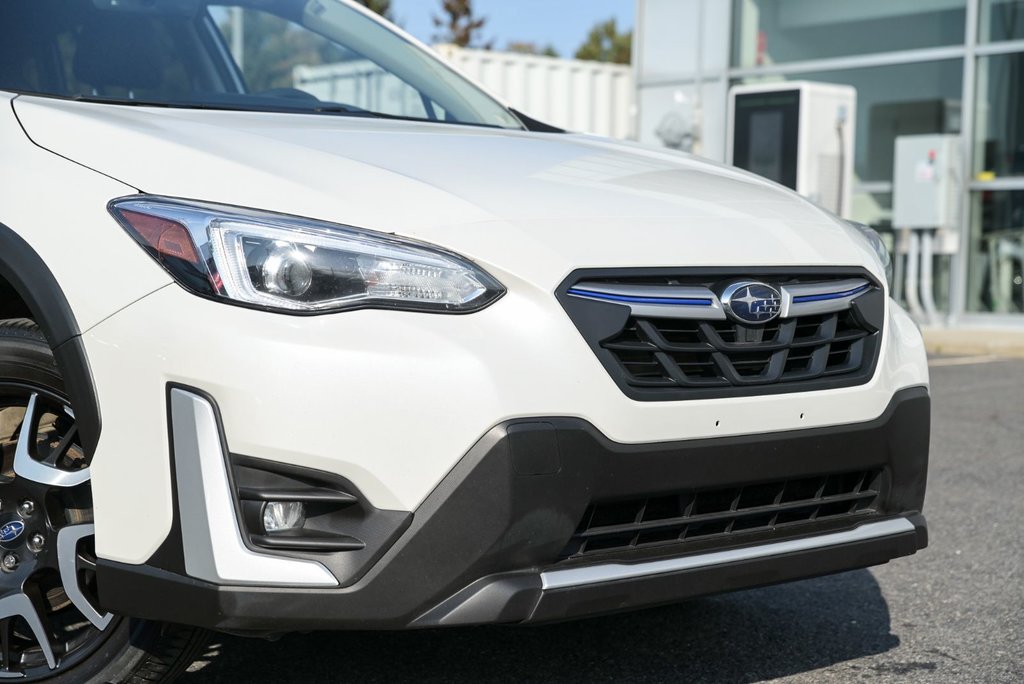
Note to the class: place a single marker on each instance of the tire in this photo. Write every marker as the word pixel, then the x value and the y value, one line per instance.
pixel 114 649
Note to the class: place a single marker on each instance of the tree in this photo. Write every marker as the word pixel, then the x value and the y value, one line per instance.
pixel 529 48
pixel 606 44
pixel 381 7
pixel 458 24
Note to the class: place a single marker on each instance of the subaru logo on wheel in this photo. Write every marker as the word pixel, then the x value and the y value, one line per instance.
pixel 11 531
pixel 750 301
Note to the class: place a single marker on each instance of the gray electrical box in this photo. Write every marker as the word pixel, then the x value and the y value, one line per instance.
pixel 926 183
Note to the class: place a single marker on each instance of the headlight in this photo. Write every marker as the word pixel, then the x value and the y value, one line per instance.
pixel 298 265
pixel 878 245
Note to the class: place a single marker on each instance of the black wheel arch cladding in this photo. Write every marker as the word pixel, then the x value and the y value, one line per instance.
pixel 28 276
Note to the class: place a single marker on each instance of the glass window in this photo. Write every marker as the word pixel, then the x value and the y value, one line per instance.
pixel 999 128
pixel 1001 20
pixel 873 208
pixel 303 56
pixel 268 48
pixel 902 99
pixel 279 57
pixel 996 266
pixel 69 53
pixel 777 31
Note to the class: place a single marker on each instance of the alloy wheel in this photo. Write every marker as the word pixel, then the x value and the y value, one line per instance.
pixel 49 620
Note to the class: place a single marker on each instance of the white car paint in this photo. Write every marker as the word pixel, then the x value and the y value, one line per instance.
pixel 56 206
pixel 392 400
pixel 450 184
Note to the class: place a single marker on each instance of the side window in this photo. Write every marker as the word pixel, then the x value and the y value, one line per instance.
pixel 280 58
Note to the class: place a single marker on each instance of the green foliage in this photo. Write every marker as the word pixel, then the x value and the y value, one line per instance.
pixel 381 7
pixel 606 44
pixel 529 48
pixel 458 25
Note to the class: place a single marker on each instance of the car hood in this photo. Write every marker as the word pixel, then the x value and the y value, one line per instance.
pixel 535 204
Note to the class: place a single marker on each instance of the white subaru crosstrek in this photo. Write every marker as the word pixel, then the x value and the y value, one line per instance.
pixel 276 359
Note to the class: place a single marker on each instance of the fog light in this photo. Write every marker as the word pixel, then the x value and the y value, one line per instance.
pixel 279 516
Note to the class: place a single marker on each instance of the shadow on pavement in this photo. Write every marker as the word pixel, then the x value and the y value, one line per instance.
pixel 744 637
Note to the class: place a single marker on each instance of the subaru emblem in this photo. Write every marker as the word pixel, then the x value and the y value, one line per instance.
pixel 11 531
pixel 752 302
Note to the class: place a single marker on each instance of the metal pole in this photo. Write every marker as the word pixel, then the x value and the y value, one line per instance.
pixel 238 37
pixel 698 107
pixel 927 294
pixel 913 261
pixel 960 262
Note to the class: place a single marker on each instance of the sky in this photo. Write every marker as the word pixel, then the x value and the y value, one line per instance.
pixel 562 23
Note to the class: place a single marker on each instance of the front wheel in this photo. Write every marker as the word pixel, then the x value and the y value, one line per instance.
pixel 51 625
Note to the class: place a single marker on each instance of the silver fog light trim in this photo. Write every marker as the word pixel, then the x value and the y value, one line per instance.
pixel 214 550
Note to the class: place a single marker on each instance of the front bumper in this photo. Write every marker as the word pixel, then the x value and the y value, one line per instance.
pixel 487 545
pixel 392 400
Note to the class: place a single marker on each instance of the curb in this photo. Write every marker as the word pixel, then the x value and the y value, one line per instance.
pixel 974 342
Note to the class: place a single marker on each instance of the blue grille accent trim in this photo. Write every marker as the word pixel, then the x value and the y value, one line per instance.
pixel 830 295
pixel 641 300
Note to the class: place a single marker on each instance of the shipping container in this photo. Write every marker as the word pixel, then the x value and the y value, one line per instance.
pixel 584 96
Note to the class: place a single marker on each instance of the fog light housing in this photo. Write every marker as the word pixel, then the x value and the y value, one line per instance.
pixel 281 516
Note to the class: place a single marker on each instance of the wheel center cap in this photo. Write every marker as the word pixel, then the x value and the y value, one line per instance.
pixel 11 532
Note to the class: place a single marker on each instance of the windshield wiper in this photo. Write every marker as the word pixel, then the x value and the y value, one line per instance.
pixel 329 108
pixel 99 99
pixel 333 108
pixel 349 110
pixel 283 107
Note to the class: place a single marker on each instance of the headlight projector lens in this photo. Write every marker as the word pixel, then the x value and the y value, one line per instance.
pixel 287 272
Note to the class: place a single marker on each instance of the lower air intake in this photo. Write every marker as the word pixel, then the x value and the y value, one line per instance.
pixel 726 516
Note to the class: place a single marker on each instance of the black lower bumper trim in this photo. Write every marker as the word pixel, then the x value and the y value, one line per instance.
pixel 609 597
pixel 477 547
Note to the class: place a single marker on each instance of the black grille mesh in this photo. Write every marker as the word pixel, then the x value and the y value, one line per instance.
pixel 686 353
pixel 725 514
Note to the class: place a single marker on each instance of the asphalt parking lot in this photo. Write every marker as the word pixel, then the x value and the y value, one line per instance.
pixel 953 613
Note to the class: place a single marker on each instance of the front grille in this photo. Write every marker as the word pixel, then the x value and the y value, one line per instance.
pixel 653 355
pixel 677 353
pixel 723 517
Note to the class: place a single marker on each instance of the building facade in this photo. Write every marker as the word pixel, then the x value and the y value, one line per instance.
pixel 953 67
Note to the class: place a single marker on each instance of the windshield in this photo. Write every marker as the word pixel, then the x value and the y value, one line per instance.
pixel 306 56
